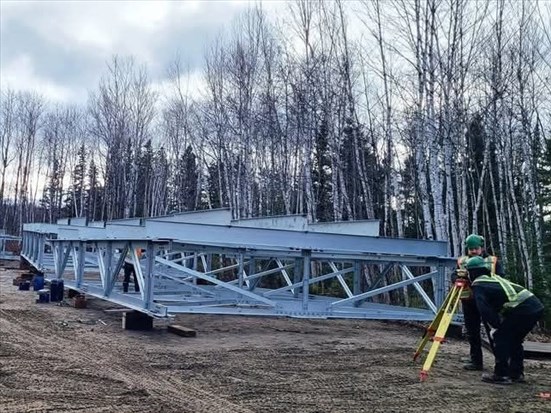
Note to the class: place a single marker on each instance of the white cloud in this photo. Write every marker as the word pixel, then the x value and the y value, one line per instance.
pixel 61 47
pixel 19 74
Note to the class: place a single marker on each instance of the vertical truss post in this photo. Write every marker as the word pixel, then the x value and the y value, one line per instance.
pixel 58 258
pixel 61 258
pixel 41 244
pixel 23 242
pixel 112 276
pixel 252 271
pixel 35 247
pixel 356 287
pixel 297 275
pixel 57 251
pixel 31 246
pixel 306 254
pixel 240 269
pixel 78 258
pixel 108 267
pixel 34 254
pixel 148 276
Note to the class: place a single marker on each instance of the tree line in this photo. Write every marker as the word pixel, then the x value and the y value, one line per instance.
pixel 432 116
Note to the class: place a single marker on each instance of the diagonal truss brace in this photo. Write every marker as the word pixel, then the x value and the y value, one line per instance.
pixel 419 289
pixel 213 280
pixel 310 281
pixel 384 289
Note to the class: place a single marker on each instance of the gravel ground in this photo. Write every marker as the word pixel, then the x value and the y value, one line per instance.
pixel 61 359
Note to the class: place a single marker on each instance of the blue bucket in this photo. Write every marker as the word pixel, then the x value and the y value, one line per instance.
pixel 38 282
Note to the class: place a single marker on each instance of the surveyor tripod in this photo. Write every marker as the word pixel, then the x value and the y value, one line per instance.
pixel 437 329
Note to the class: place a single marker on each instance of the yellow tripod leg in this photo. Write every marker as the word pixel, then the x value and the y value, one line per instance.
pixel 431 329
pixel 442 329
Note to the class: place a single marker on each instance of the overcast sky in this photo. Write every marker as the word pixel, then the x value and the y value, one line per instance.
pixel 60 48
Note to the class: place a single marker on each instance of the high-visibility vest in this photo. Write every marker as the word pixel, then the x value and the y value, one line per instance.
pixel 491 263
pixel 516 294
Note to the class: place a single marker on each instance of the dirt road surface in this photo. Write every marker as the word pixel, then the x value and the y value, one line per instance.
pixel 62 359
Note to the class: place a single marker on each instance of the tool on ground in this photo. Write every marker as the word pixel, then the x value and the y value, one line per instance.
pixel 437 329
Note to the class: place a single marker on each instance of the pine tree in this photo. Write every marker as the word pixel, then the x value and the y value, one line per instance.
pixel 216 185
pixel 542 273
pixel 144 180
pixel 75 200
pixel 94 195
pixel 52 195
pixel 188 177
pixel 321 175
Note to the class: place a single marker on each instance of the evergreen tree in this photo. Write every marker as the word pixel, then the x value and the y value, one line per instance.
pixel 53 191
pixel 94 195
pixel 321 175
pixel 187 169
pixel 144 180
pixel 75 200
pixel 542 273
pixel 159 183
pixel 412 210
pixel 216 185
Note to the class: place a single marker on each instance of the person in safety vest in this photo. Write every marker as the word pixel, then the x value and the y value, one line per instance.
pixel 512 311
pixel 474 247
pixel 129 270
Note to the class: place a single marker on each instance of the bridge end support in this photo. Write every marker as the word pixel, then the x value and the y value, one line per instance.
pixel 135 320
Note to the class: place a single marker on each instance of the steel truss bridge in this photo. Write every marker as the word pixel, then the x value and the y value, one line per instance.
pixel 205 262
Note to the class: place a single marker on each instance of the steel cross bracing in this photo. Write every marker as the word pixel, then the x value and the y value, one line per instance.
pixel 219 266
pixel 5 252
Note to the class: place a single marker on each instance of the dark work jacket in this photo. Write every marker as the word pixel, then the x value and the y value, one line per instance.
pixel 490 299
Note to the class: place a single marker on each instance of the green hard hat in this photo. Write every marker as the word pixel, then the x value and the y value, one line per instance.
pixel 475 262
pixel 474 241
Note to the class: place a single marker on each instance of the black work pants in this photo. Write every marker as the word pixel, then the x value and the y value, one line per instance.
pixel 128 271
pixel 472 325
pixel 508 339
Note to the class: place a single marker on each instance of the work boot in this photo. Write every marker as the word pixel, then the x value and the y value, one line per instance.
pixel 473 367
pixel 495 379
pixel 519 379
